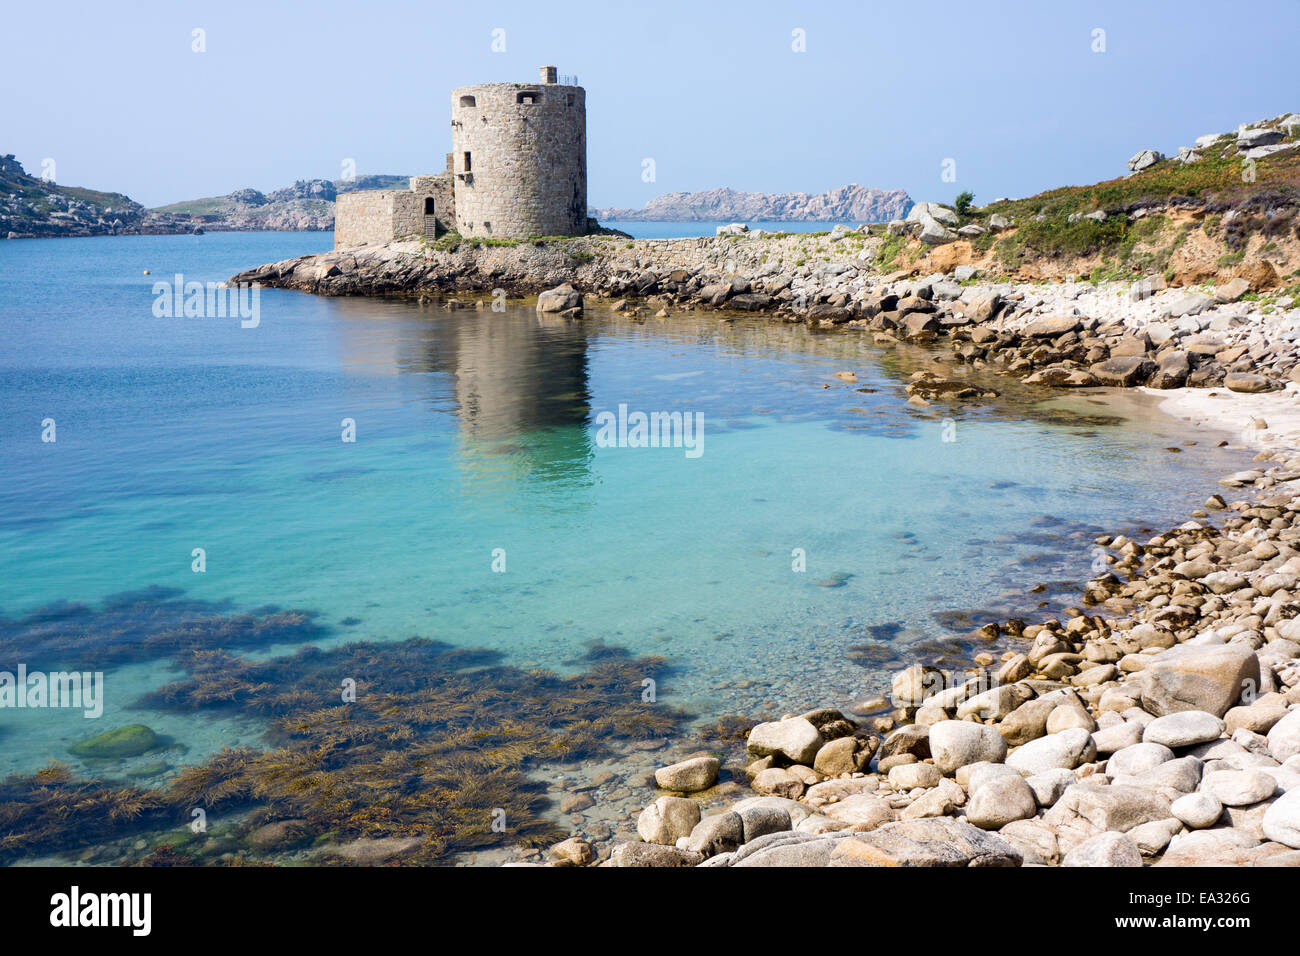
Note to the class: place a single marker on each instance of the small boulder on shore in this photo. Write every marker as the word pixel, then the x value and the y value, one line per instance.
pixel 560 299
pixel 688 776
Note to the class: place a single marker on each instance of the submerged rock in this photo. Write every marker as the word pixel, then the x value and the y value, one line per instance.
pixel 129 741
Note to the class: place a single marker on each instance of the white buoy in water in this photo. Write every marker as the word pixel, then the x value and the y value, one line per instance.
pixel 146 271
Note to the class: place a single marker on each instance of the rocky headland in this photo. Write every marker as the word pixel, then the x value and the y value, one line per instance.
pixel 33 208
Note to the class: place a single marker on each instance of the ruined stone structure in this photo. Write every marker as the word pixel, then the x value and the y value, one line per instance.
pixel 518 169
pixel 427 208
pixel 519 153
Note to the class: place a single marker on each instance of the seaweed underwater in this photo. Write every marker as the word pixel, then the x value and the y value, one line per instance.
pixel 419 747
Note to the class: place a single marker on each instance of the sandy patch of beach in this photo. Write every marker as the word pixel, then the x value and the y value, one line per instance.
pixel 1267 420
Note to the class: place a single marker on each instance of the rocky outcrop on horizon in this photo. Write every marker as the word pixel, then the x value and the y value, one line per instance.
pixel 851 203
pixel 31 208
pixel 1250 141
pixel 305 206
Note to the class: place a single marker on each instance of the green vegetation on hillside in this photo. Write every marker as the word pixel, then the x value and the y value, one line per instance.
pixel 1053 224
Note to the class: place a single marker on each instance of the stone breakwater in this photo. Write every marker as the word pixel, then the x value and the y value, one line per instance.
pixel 1158 722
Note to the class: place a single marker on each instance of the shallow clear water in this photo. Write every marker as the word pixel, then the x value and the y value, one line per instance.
pixel 475 432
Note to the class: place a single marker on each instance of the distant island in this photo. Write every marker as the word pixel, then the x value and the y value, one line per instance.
pixel 851 203
pixel 31 207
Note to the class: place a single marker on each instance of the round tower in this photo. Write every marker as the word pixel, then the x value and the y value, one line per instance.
pixel 519 158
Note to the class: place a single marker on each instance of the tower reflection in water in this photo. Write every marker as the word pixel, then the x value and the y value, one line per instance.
pixel 516 382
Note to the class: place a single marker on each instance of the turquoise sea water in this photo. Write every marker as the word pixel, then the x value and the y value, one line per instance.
pixel 475 441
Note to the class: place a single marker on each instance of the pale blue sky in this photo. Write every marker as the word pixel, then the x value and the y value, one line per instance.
pixel 712 91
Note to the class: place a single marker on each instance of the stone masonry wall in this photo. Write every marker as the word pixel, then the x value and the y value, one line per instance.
pixel 528 149
pixel 363 217
pixel 371 216
pixel 444 198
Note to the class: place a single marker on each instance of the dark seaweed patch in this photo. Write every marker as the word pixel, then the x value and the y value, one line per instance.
pixel 438 744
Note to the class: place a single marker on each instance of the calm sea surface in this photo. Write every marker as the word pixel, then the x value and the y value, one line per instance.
pixel 475 449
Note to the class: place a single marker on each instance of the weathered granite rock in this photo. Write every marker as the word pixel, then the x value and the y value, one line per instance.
pixel 1247 382
pixel 1197 810
pixel 688 776
pixel 560 299
pixel 1108 807
pixel 861 810
pixel 794 738
pixel 1123 370
pixel 1215 847
pixel 844 755
pixel 1183 729
pixel 759 820
pixel 719 833
pixel 911 776
pixel 1034 841
pixel 1027 722
pixel 1144 159
pixel 995 703
pixel 667 820
pixel 1052 326
pixel 1000 801
pixel 1199 678
pixel 1239 788
pixel 914 684
pixel 913 739
pixel 1105 849
pixel 652 855
pixel 1049 785
pixel 1109 740
pixel 574 851
pixel 1258 717
pixel 937 802
pixel 1151 838
pixel 1067 749
pixel 788 849
pixel 1284 738
pixel 1180 775
pixel 778 782
pixel 1137 759
pixel 1282 820
pixel 940 842
pixel 955 743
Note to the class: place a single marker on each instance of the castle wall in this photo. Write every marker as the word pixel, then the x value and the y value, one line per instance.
pixel 528 149
pixel 369 216
pixel 444 198
pixel 363 217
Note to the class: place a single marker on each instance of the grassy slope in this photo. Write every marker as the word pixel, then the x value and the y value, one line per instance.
pixel 34 190
pixel 1214 183
pixel 1118 247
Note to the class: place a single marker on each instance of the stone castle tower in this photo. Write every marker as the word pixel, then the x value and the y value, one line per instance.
pixel 518 169
pixel 519 158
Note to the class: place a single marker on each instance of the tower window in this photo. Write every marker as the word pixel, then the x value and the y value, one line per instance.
pixel 570 99
pixel 527 97
pixel 467 101
pixel 468 166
